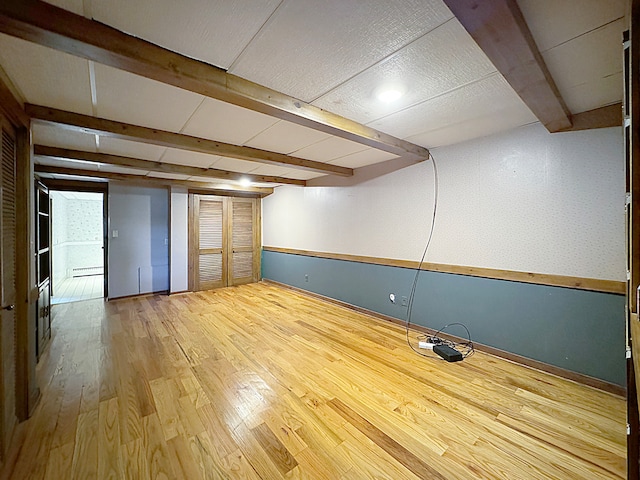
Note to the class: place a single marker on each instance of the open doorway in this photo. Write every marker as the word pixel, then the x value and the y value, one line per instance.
pixel 77 231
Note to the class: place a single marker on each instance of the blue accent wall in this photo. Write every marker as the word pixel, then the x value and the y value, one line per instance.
pixel 577 330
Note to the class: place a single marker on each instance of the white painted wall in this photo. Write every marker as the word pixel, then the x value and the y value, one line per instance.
pixel 139 254
pixel 179 240
pixel 523 200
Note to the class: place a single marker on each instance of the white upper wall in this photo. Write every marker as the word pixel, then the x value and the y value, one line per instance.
pixel 523 200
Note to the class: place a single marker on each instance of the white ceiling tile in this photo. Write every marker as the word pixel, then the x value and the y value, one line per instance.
pixel 45 76
pixel 585 85
pixel 226 123
pixel 52 136
pixel 234 165
pixel 309 47
pixel 478 101
pixel 271 170
pixel 554 22
pixel 118 169
pixel 214 31
pixel 75 6
pixel 126 97
pixel 286 137
pixel 445 58
pixel 127 148
pixel 329 149
pixel 191 159
pixel 363 158
pixel 75 164
pixel 304 174
pixel 505 119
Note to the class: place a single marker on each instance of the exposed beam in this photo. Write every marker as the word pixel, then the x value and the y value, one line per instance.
pixel 55 152
pixel 11 107
pixel 603 117
pixel 142 179
pixel 500 30
pixel 127 131
pixel 53 27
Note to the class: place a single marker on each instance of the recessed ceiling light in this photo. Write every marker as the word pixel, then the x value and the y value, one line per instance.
pixel 245 182
pixel 389 93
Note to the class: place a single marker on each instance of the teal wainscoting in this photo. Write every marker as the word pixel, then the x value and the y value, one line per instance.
pixel 577 330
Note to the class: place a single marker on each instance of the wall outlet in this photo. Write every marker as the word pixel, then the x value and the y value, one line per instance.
pixel 404 301
pixel 306 277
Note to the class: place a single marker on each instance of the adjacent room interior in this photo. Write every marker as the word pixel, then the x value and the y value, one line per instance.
pixel 77 246
pixel 332 240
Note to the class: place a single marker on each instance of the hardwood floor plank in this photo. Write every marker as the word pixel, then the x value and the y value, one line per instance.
pixel 109 458
pixel 260 382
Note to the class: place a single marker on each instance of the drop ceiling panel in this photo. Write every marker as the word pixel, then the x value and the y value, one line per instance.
pixel 441 60
pixel 479 101
pixel 126 148
pixel 226 123
pixel 75 6
pixel 75 164
pixel 548 19
pixel 304 174
pixel 118 169
pixel 587 84
pixel 309 47
pixel 329 149
pixel 214 31
pixel 47 77
pixel 363 158
pixel 132 99
pixel 233 165
pixel 63 138
pixel 498 121
pixel 286 137
pixel 271 170
pixel 191 159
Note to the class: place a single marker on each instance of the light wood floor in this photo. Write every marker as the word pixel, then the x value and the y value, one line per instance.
pixel 78 288
pixel 260 382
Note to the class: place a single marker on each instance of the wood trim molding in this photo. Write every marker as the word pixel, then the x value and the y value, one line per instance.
pixel 127 131
pixel 528 362
pixel 11 107
pixel 56 28
pixel 210 188
pixel 66 153
pixel 500 30
pixel 592 284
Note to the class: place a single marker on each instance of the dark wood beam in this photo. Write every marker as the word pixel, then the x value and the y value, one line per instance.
pixel 12 108
pixel 66 153
pixel 603 117
pixel 145 180
pixel 127 131
pixel 53 27
pixel 500 30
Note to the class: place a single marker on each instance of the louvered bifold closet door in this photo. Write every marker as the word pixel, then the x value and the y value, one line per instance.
pixel 243 264
pixel 211 261
pixel 8 287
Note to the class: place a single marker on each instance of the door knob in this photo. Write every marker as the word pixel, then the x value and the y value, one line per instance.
pixel 9 307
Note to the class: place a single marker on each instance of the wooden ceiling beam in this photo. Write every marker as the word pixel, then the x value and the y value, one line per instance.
pixel 53 27
pixel 110 128
pixel 66 153
pixel 603 117
pixel 145 180
pixel 500 30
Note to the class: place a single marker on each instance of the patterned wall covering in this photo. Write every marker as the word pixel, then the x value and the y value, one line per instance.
pixel 77 232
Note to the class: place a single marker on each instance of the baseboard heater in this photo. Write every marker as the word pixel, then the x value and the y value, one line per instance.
pixel 86 271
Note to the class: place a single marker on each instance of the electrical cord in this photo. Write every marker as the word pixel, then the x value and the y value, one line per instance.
pixel 466 346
